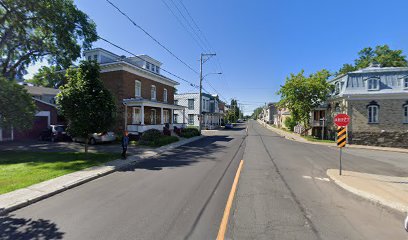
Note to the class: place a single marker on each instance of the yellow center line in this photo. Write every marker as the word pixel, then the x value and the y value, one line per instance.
pixel 224 222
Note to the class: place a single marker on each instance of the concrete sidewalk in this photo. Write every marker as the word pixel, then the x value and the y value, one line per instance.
pixel 296 137
pixel 389 191
pixel 26 196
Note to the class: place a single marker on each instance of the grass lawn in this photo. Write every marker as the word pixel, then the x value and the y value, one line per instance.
pixel 312 139
pixel 22 169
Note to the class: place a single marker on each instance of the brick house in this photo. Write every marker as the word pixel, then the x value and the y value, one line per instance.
pixel 376 99
pixel 144 97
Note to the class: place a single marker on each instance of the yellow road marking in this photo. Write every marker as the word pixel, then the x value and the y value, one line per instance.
pixel 224 221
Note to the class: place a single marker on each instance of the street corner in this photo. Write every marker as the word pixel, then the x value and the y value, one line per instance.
pixel 390 191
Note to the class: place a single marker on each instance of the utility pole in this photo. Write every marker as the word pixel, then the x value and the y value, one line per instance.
pixel 202 61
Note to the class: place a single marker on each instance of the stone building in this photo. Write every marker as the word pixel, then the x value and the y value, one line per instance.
pixel 376 99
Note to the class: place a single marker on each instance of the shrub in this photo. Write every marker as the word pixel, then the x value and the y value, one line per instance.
pixel 151 135
pixel 189 132
pixel 290 123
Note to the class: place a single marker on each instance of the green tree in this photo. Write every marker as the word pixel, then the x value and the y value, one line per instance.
pixel 87 105
pixel 33 30
pixel 302 94
pixel 51 77
pixel 17 108
pixel 256 113
pixel 382 55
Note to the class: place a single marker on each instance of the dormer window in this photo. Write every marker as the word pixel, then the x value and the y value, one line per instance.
pixel 373 84
pixel 337 88
pixel 147 66
pixel 153 68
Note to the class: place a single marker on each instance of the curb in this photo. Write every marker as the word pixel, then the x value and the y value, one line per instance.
pixel 371 197
pixel 134 160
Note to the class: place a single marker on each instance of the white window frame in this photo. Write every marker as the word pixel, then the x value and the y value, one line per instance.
pixel 138 88
pixel 372 80
pixel 166 116
pixel 337 87
pixel 190 121
pixel 405 83
pixel 165 95
pixel 373 118
pixel 136 117
pixel 175 117
pixel 405 113
pixel 191 100
pixel 153 92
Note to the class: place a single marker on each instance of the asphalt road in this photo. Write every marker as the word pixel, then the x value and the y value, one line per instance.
pixel 283 193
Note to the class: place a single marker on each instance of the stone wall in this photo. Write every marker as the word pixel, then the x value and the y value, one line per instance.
pixel 390 131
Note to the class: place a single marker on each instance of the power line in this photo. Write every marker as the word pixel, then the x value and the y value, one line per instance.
pixel 215 90
pixel 148 34
pixel 183 25
pixel 131 53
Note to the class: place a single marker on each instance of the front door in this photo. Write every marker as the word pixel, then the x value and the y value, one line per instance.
pixel 153 116
pixel 136 116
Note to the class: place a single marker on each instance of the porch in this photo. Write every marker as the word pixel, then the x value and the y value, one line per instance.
pixel 141 115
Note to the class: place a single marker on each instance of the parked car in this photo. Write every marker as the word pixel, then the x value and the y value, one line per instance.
pixel 98 138
pixel 229 126
pixel 55 133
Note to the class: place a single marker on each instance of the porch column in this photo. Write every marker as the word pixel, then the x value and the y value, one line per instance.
pixel 171 120
pixel 142 115
pixel 184 116
pixel 126 116
pixel 1 134
pixel 161 116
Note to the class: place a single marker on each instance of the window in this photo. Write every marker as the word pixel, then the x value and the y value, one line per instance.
pixel 373 84
pixel 165 95
pixel 153 68
pixel 405 83
pixel 147 66
pixel 136 116
pixel 406 113
pixel 337 88
pixel 175 102
pixel 157 69
pixel 138 88
pixel 166 116
pixel 373 114
pixel 153 116
pixel 191 104
pixel 175 117
pixel 190 119
pixel 153 93
pixel 95 57
pixel 89 58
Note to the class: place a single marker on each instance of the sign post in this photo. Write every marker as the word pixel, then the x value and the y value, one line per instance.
pixel 341 120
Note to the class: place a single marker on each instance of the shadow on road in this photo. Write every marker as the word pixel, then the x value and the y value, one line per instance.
pixel 183 156
pixel 12 228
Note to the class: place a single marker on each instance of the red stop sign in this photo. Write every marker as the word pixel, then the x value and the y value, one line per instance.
pixel 342 120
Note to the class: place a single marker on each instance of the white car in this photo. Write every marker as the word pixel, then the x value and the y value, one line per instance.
pixel 98 138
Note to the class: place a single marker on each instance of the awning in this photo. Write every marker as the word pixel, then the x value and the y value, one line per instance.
pixel 136 102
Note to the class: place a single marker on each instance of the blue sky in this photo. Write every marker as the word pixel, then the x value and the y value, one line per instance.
pixel 258 43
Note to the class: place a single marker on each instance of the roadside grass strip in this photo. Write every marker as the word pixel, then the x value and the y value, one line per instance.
pixel 22 169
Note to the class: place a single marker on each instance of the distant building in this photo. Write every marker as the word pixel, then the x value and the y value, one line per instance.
pixel 376 99
pixel 46 114
pixel 212 110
